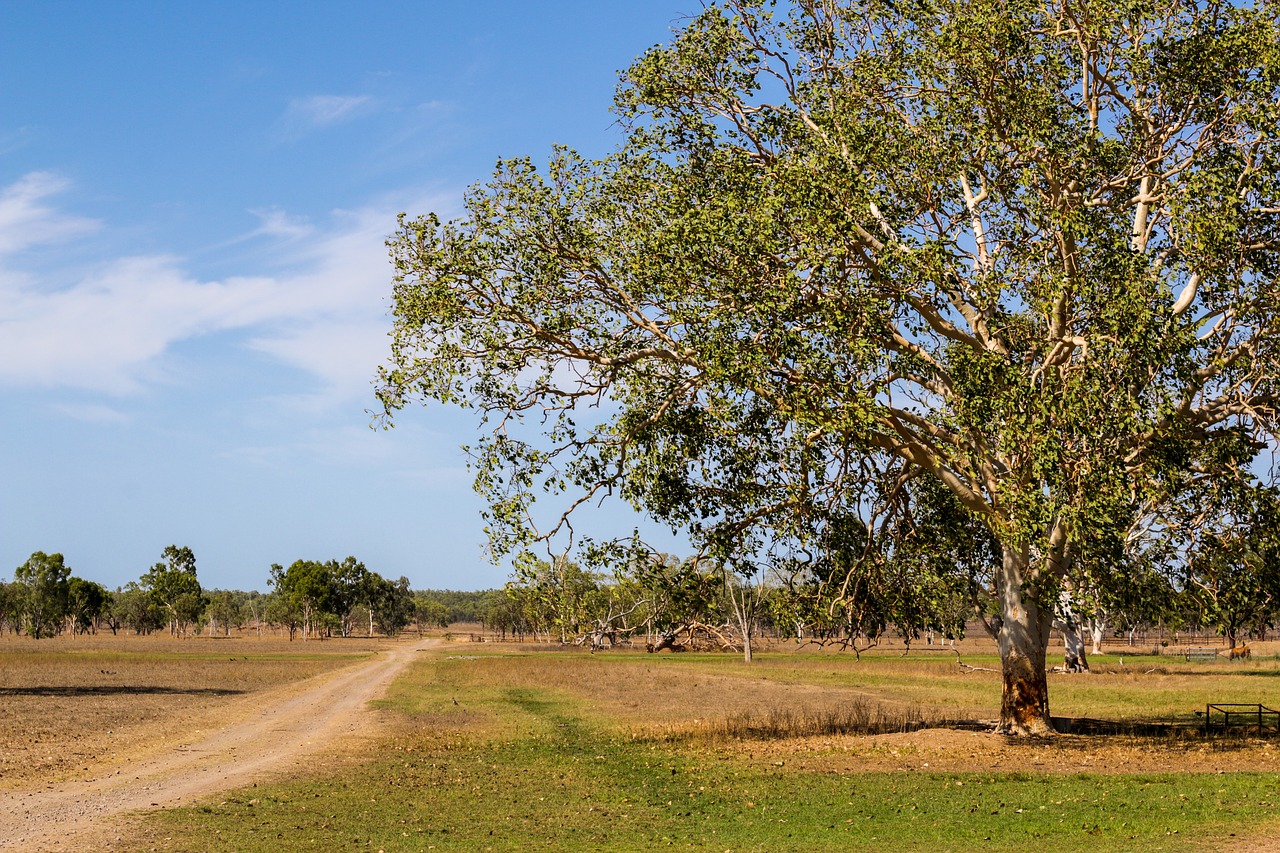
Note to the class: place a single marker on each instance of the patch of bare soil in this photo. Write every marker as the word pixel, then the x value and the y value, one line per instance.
pixel 74 705
pixel 273 731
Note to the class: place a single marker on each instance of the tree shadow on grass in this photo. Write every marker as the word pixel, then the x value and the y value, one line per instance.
pixel 1258 673
pixel 1086 728
pixel 1125 728
pixel 116 690
pixel 1193 673
pixel 1186 730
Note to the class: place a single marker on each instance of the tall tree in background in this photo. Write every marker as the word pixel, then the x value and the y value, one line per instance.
pixel 352 585
pixel 174 587
pixel 1024 249
pixel 305 590
pixel 11 614
pixel 44 581
pixel 134 608
pixel 429 612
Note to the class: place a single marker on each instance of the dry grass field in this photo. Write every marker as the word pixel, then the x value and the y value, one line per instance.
pixel 72 704
pixel 819 703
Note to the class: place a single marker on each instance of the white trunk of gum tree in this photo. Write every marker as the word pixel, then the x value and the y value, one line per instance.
pixel 743 600
pixel 744 625
pixel 1074 659
pixel 1097 631
pixel 1068 623
pixel 1023 638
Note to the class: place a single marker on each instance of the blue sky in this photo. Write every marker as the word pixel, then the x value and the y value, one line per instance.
pixel 193 282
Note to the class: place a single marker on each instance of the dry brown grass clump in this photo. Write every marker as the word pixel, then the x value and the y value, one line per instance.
pixel 854 717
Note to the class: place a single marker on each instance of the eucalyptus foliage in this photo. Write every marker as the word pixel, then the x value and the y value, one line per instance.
pixel 1023 249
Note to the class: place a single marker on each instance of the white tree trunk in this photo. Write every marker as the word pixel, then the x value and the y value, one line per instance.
pixel 1074 659
pixel 1023 638
pixel 743 598
pixel 1097 631
pixel 1068 623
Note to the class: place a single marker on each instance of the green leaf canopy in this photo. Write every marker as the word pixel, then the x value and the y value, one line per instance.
pixel 1026 250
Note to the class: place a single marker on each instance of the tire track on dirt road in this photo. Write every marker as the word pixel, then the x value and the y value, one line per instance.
pixel 284 726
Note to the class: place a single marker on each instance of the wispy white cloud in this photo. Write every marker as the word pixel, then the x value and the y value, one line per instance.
pixel 343 353
pixel 411 453
pixel 322 310
pixel 26 218
pixel 323 110
pixel 319 111
pixel 278 223
pixel 273 223
pixel 95 413
pixel 107 330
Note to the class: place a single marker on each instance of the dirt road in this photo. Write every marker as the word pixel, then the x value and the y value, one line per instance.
pixel 275 733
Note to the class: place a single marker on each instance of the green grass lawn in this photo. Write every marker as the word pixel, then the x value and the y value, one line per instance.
pixel 517 764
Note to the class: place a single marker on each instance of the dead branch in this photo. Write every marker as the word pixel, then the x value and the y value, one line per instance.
pixel 964 667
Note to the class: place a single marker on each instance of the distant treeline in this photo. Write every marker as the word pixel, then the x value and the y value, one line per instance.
pixel 309 598
pixel 463 606
pixel 663 603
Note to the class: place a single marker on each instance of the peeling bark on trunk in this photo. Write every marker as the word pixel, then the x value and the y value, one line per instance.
pixel 1023 638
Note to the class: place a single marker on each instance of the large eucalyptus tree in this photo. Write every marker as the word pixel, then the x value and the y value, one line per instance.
pixel 1026 248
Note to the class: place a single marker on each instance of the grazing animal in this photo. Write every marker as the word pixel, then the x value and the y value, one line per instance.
pixel 1240 652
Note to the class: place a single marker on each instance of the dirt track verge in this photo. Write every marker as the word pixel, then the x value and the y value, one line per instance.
pixel 274 734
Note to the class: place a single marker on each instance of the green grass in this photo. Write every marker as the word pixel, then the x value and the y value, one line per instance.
pixel 578 793
pixel 519 765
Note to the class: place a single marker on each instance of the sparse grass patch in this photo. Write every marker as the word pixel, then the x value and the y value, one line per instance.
pixel 584 794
